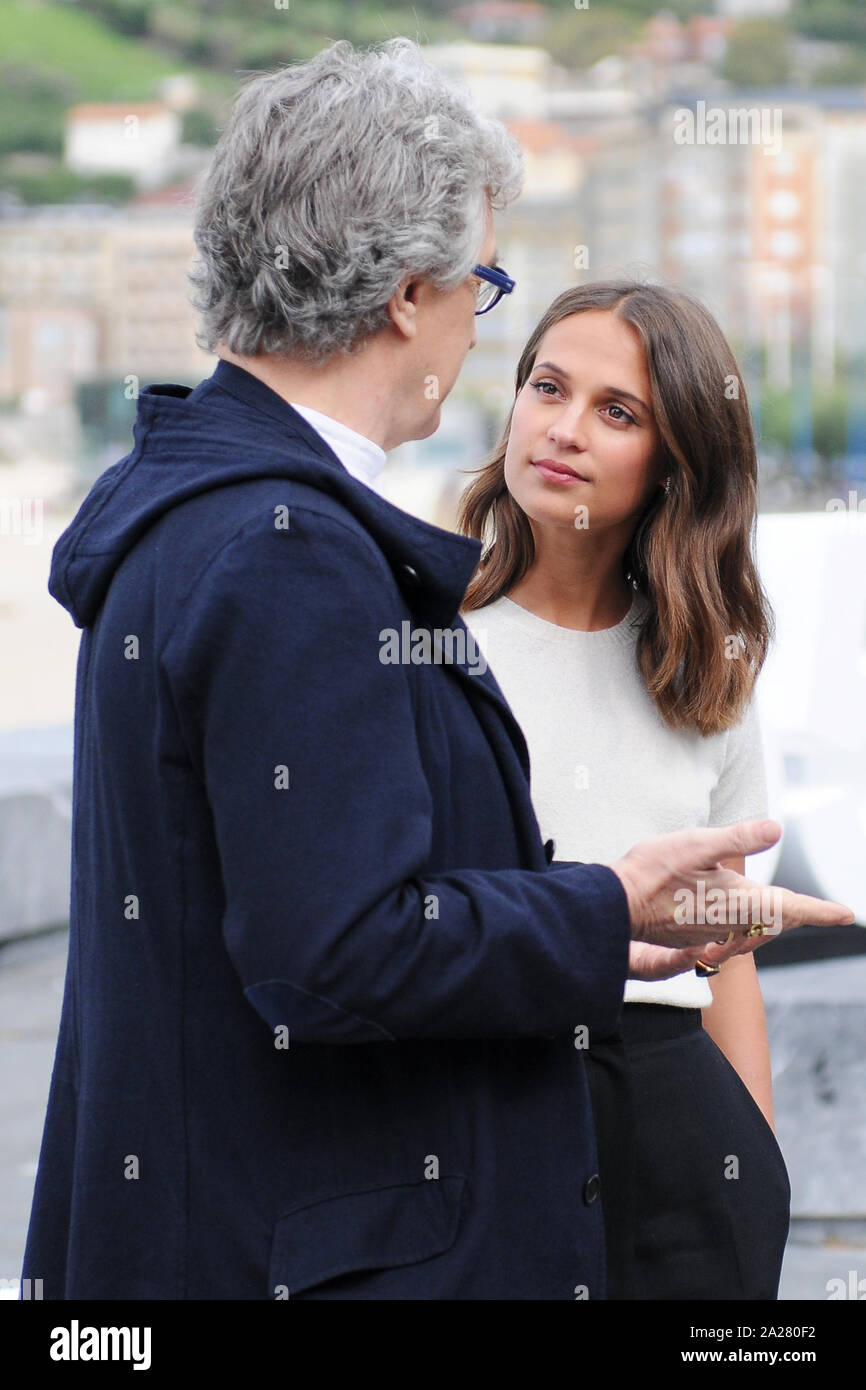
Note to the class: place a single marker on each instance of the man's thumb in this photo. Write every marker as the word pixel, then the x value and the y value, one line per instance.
pixel 744 838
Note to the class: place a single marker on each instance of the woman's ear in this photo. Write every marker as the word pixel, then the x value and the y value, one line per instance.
pixel 663 473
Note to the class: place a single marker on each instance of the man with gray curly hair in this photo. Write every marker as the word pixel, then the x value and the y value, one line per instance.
pixel 326 997
pixel 335 183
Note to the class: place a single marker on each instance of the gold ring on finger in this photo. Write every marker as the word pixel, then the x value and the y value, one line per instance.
pixel 702 969
pixel 757 929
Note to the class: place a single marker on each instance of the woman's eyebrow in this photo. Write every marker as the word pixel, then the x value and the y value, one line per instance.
pixel 606 390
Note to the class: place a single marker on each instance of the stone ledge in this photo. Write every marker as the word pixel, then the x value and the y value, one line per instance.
pixel 816 1017
pixel 35 828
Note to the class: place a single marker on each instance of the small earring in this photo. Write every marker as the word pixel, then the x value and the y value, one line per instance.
pixel 667 485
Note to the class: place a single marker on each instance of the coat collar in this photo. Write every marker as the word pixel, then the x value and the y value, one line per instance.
pixel 432 566
pixel 435 563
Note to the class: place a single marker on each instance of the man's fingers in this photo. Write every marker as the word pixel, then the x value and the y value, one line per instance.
pixel 715 843
pixel 661 962
pixel 780 910
pixel 734 903
pixel 799 910
pixel 714 954
pixel 678 961
pixel 678 880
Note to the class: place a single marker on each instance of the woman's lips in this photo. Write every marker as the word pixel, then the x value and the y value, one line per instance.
pixel 557 472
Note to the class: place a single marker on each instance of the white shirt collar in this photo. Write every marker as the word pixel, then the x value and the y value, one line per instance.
pixel 358 454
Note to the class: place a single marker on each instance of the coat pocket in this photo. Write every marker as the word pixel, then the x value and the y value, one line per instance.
pixel 379 1228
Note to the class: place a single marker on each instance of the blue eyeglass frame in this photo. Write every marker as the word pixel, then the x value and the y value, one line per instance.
pixel 503 283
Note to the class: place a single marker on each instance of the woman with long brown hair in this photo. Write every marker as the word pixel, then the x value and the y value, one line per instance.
pixel 619 606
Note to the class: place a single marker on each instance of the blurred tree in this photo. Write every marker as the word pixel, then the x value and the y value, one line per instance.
pixel 57 184
pixel 269 48
pixel 831 19
pixel 184 30
pixel 829 421
pixel 32 108
pixel 643 9
pixel 579 38
pixel 199 127
pixel 224 38
pixel 126 16
pixel 776 418
pixel 758 54
pixel 849 70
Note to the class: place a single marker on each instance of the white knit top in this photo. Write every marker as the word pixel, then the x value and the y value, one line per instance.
pixel 606 771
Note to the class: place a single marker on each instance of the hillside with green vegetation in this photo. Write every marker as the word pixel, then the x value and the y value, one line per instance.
pixel 53 55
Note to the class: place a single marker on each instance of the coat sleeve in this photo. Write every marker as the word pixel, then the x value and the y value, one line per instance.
pixel 308 748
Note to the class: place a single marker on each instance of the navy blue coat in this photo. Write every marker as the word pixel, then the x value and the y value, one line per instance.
pixel 318 1031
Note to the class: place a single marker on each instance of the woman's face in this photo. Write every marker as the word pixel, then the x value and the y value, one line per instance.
pixel 583 445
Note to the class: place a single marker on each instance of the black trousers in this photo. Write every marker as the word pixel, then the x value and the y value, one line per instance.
pixel 694 1188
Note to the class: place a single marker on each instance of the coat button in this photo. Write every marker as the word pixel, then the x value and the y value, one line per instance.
pixel 410 574
pixel 591 1189
pixel 549 849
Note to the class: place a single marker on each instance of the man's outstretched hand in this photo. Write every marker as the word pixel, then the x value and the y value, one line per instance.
pixel 681 898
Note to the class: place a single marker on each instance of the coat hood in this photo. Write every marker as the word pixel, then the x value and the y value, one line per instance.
pixel 187 441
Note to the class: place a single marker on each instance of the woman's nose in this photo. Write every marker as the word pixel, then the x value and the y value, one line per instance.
pixel 568 429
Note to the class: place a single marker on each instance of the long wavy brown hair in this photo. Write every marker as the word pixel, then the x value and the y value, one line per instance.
pixel 708 626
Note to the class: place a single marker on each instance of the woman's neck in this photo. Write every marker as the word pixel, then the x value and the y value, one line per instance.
pixel 578 590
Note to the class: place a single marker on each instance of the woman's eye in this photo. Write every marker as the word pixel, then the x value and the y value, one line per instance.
pixel 540 385
pixel 623 414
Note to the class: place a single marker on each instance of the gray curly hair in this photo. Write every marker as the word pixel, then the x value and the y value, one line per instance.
pixel 334 180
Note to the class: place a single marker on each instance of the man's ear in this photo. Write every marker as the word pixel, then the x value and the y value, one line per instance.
pixel 403 306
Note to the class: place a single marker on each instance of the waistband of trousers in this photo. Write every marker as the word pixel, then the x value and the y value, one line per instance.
pixel 656 1022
